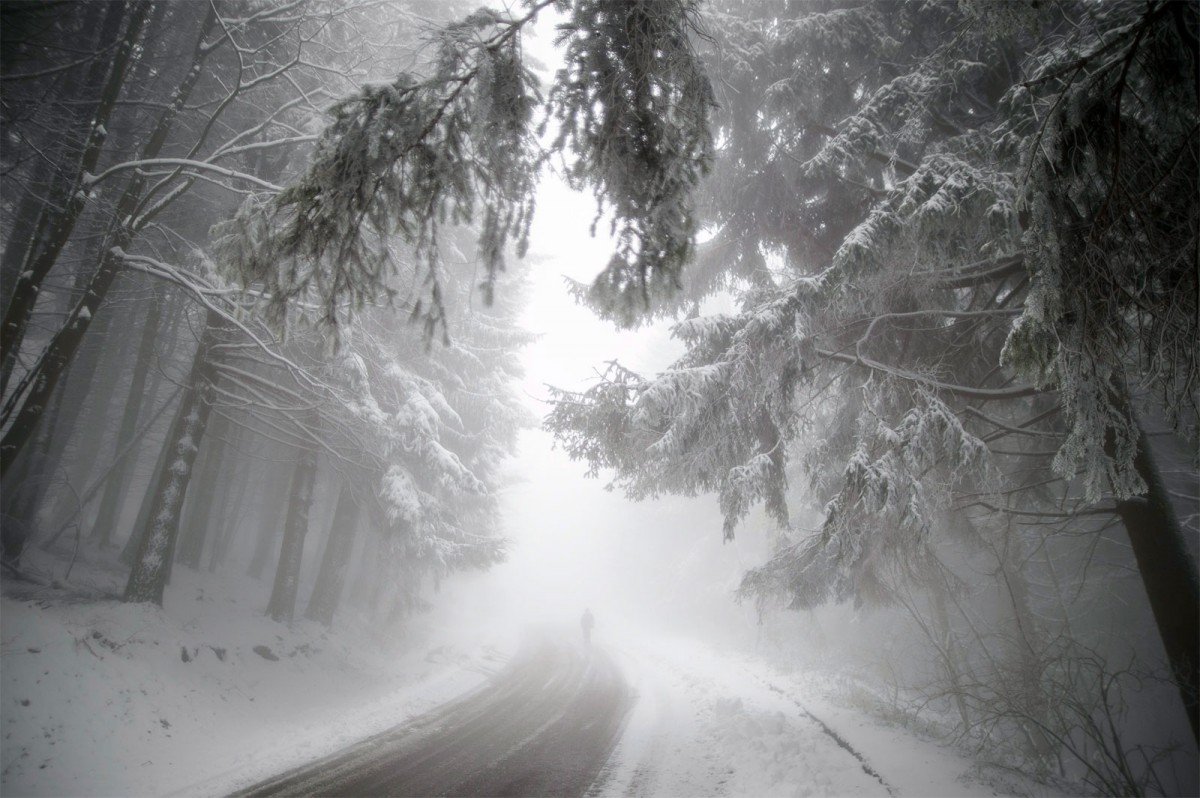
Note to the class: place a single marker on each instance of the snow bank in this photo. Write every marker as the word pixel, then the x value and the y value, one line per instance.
pixel 710 722
pixel 200 697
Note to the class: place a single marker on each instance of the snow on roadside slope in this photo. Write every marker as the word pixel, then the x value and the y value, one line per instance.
pixel 107 698
pixel 718 723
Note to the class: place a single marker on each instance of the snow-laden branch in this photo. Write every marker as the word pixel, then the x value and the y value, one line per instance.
pixel 165 271
pixel 183 163
pixel 235 373
pixel 243 379
pixel 225 151
pixel 117 460
pixel 977 273
pixel 963 391
pixel 1091 511
pixel 974 411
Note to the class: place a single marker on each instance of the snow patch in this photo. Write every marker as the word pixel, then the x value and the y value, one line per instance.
pixel 710 722
pixel 108 698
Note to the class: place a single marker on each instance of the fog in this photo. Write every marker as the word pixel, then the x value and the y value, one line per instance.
pixel 574 543
pixel 599 397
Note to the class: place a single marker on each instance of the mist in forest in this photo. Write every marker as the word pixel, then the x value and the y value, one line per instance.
pixel 606 397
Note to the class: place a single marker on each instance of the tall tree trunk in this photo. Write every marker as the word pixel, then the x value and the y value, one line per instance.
pixel 282 606
pixel 951 660
pixel 21 502
pixel 331 577
pixel 55 360
pixel 44 188
pixel 141 525
pixel 23 228
pixel 1169 576
pixel 268 526
pixel 95 418
pixel 107 78
pixel 68 401
pixel 152 563
pixel 231 513
pixel 108 515
pixel 1026 637
pixel 37 385
pixel 90 410
pixel 198 518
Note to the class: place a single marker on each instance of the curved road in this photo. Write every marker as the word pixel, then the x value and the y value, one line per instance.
pixel 545 726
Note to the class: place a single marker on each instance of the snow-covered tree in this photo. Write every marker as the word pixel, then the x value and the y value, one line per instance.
pixel 936 237
pixel 461 145
pixel 418 432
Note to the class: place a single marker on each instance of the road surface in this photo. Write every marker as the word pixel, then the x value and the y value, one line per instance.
pixel 544 726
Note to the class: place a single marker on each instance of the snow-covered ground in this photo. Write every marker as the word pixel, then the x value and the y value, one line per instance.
pixel 714 722
pixel 202 696
pixel 207 695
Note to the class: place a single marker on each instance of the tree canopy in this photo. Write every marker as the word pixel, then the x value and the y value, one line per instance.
pixel 631 107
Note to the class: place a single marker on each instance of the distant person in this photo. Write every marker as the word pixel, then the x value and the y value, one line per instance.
pixel 587 622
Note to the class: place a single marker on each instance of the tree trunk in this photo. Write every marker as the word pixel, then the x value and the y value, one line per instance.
pixel 331 577
pixel 45 252
pixel 57 357
pixel 364 562
pixel 96 414
pixel 1169 576
pixel 231 513
pixel 23 229
pixel 198 518
pixel 152 562
pixel 90 408
pixel 950 658
pixel 108 515
pixel 37 385
pixel 22 502
pixel 282 606
pixel 1026 640
pixel 141 525
pixel 53 435
pixel 268 527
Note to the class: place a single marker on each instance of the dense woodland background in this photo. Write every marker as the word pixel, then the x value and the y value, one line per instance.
pixel 933 266
pixel 149 409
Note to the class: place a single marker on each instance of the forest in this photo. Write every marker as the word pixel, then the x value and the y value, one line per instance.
pixel 895 315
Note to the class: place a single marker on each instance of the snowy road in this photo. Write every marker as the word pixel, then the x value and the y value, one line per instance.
pixel 545 726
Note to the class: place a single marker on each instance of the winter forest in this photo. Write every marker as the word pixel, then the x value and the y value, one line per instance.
pixel 599 397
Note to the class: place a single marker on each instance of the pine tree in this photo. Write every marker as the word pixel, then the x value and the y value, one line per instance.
pixel 889 206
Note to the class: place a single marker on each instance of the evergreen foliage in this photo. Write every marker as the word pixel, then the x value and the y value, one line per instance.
pixel 403 159
pixel 960 239
pixel 632 106
pixel 460 146
pixel 440 425
pixel 1106 127
pixel 420 435
pixel 905 165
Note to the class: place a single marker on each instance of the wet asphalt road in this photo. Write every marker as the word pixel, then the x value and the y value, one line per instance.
pixel 544 726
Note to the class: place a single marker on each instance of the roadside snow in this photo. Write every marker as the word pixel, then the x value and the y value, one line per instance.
pixel 207 695
pixel 711 722
pixel 108 698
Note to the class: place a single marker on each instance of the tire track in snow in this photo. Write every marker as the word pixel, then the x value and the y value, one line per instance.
pixel 837 738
